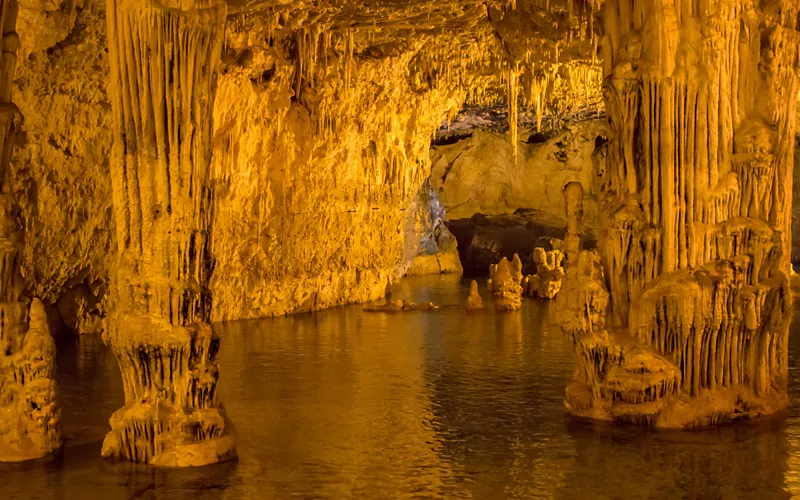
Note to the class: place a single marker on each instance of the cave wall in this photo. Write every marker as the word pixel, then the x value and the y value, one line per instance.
pixel 315 201
pixel 479 174
pixel 59 170
pixel 309 220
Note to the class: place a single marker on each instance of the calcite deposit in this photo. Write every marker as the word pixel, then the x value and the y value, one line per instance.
pixel 29 417
pixel 164 60
pixel 506 283
pixel 474 300
pixel 546 283
pixel 682 318
pixel 193 161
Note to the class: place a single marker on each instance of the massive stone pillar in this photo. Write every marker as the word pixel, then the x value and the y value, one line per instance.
pixel 164 57
pixel 28 413
pixel 682 318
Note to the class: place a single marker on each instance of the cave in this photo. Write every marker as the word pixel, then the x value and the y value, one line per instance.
pixel 399 248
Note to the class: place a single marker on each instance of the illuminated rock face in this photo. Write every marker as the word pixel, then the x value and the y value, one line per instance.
pixel 682 318
pixel 479 174
pixel 506 281
pixel 546 283
pixel 163 64
pixel 474 300
pixel 28 412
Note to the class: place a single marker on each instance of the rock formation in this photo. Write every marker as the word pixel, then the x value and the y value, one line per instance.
pixel 164 60
pixel 474 300
pixel 29 416
pixel 477 174
pixel 682 318
pixel 402 306
pixel 506 284
pixel 438 248
pixel 546 283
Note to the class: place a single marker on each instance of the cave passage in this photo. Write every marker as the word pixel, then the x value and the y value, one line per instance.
pixel 377 249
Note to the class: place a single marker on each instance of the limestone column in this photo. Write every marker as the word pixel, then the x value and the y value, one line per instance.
pixel 695 241
pixel 28 412
pixel 164 57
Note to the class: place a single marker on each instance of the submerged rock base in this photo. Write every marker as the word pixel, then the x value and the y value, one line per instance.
pixel 698 351
pixel 171 416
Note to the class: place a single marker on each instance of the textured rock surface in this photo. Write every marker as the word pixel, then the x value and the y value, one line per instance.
pixel 302 73
pixel 59 171
pixel 479 174
pixel 546 283
pixel 315 198
pixel 164 60
pixel 474 301
pixel 29 417
pixel 696 218
pixel 506 283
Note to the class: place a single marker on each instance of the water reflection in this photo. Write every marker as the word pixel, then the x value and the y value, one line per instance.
pixel 443 404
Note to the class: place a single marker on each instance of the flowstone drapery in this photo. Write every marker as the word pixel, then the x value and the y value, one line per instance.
pixel 29 415
pixel 682 318
pixel 164 58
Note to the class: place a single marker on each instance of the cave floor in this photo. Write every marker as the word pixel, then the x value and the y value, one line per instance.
pixel 440 404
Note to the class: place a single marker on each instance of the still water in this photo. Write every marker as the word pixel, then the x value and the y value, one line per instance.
pixel 441 404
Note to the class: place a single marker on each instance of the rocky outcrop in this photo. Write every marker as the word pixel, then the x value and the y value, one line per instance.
pixel 506 284
pixel 546 283
pixel 29 415
pixel 479 174
pixel 695 218
pixel 60 167
pixel 474 300
pixel 164 60
pixel 438 254
pixel 316 197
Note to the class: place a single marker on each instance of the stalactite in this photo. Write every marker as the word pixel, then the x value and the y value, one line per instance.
pixel 513 107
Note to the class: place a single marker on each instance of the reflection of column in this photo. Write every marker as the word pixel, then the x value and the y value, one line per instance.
pixel 163 62
pixel 28 413
pixel 694 244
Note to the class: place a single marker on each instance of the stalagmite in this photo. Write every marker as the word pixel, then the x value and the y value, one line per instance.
pixel 163 63
pixel 507 284
pixel 29 417
pixel 694 241
pixel 546 283
pixel 474 301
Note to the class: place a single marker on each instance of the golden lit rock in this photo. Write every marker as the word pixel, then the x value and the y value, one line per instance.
pixel 162 100
pixel 507 284
pixel 474 301
pixel 546 283
pixel 694 219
